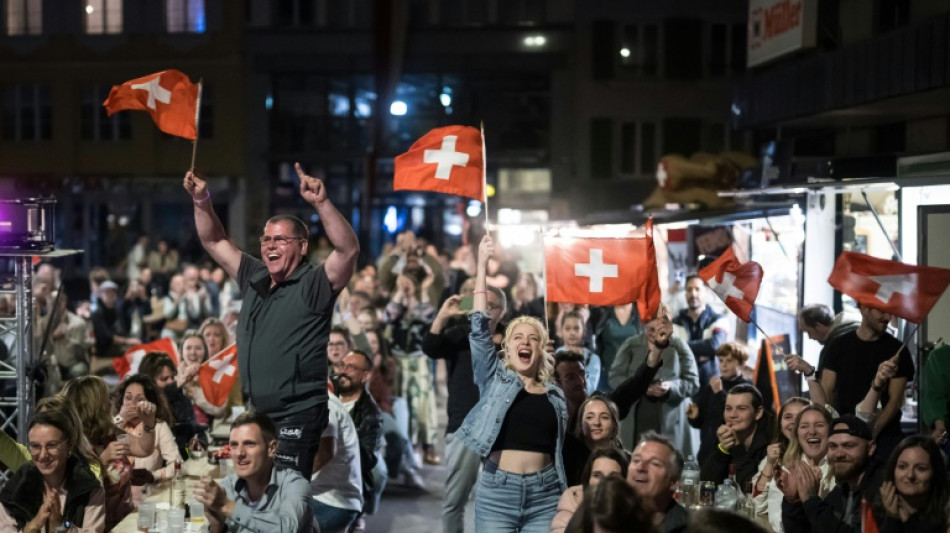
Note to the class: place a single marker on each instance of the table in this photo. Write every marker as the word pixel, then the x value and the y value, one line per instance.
pixel 193 470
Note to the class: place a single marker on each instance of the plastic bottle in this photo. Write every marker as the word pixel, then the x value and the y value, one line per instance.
pixel 690 482
pixel 177 494
pixel 727 496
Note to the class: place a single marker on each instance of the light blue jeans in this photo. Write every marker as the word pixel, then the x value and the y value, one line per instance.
pixel 463 466
pixel 524 503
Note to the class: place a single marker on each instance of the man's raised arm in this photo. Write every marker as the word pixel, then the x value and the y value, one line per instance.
pixel 341 263
pixel 210 230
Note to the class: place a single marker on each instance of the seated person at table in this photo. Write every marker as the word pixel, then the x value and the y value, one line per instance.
pixel 258 496
pixel 160 367
pixel 743 438
pixel 56 490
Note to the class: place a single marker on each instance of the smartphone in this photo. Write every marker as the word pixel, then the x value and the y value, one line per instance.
pixel 466 303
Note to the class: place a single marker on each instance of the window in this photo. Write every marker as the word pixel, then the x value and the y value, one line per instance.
pixel 640 50
pixel 103 16
pixel 726 49
pixel 638 148
pixel 95 124
pixel 601 148
pixel 185 16
pixel 206 113
pixel 294 13
pixel 27 115
pixel 24 17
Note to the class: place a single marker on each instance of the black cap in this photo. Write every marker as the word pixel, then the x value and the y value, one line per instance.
pixel 855 426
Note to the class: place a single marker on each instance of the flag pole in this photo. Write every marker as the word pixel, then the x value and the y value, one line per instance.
pixel 767 337
pixel 194 143
pixel 484 175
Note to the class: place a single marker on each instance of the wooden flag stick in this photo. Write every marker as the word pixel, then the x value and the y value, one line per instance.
pixel 767 337
pixel 194 143
pixel 897 355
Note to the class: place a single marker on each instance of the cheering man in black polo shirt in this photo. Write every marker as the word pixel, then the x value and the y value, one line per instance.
pixel 285 315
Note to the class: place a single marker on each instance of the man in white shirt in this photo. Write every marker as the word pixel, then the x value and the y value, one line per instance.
pixel 337 481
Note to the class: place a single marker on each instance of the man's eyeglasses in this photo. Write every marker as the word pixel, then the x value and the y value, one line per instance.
pixel 336 344
pixel 351 367
pixel 279 240
pixel 52 448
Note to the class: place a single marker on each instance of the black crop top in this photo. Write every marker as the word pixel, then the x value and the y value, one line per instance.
pixel 530 425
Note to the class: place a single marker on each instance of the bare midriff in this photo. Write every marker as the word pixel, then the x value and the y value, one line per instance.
pixel 519 461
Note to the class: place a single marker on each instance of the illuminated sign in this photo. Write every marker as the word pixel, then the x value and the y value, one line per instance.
pixel 779 27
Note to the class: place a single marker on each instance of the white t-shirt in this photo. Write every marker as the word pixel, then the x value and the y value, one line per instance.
pixel 340 482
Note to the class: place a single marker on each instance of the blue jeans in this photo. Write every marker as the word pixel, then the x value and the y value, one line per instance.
pixel 463 466
pixel 332 519
pixel 524 503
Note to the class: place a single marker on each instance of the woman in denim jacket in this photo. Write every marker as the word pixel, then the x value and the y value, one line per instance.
pixel 518 424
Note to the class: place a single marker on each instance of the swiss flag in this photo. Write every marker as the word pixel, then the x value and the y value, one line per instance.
pixel 907 291
pixel 736 284
pixel 129 362
pixel 218 375
pixel 447 160
pixel 603 271
pixel 169 96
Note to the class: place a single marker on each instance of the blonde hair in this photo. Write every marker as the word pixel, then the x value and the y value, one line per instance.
pixel 546 366
pixel 89 396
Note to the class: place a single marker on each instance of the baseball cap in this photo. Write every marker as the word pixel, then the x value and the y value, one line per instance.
pixel 855 427
pixel 108 285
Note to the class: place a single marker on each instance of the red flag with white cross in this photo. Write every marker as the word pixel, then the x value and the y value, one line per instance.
pixel 736 284
pixel 603 271
pixel 907 291
pixel 129 362
pixel 447 160
pixel 169 96
pixel 218 375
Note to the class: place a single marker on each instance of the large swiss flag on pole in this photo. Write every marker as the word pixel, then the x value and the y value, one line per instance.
pixel 736 284
pixel 169 96
pixel 907 291
pixel 129 362
pixel 603 271
pixel 218 375
pixel 447 160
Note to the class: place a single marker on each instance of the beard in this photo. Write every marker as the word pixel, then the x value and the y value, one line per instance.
pixel 845 470
pixel 345 385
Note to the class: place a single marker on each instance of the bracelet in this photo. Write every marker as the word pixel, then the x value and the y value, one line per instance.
pixel 810 374
pixel 876 388
pixel 148 429
pixel 479 292
pixel 723 450
pixel 203 200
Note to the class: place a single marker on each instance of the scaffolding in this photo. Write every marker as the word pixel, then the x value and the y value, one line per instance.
pixel 15 411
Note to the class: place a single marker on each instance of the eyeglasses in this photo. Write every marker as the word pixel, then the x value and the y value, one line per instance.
pixel 336 344
pixel 349 367
pixel 52 448
pixel 279 240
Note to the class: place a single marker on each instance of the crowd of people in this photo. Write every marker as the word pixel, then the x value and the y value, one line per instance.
pixel 560 417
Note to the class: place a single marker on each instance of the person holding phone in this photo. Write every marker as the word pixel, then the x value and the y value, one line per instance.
pixel 519 422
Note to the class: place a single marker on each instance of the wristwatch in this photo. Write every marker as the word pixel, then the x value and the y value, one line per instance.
pixel 809 374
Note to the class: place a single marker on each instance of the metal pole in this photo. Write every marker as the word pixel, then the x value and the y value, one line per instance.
pixel 24 343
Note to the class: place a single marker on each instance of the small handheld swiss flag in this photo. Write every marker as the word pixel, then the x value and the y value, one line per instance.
pixel 447 160
pixel 218 375
pixel 736 284
pixel 169 96
pixel 603 271
pixel 129 362
pixel 907 291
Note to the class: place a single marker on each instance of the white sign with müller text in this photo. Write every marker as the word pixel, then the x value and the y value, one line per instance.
pixel 779 27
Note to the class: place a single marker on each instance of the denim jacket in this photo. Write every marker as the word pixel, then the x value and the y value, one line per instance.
pixel 497 387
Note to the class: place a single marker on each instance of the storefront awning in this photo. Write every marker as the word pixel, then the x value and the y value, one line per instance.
pixel 681 216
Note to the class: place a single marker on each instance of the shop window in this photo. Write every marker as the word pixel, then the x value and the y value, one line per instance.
pixel 27 114
pixel 639 50
pixel 24 17
pixel 638 148
pixel 103 16
pixel 95 124
pixel 185 16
